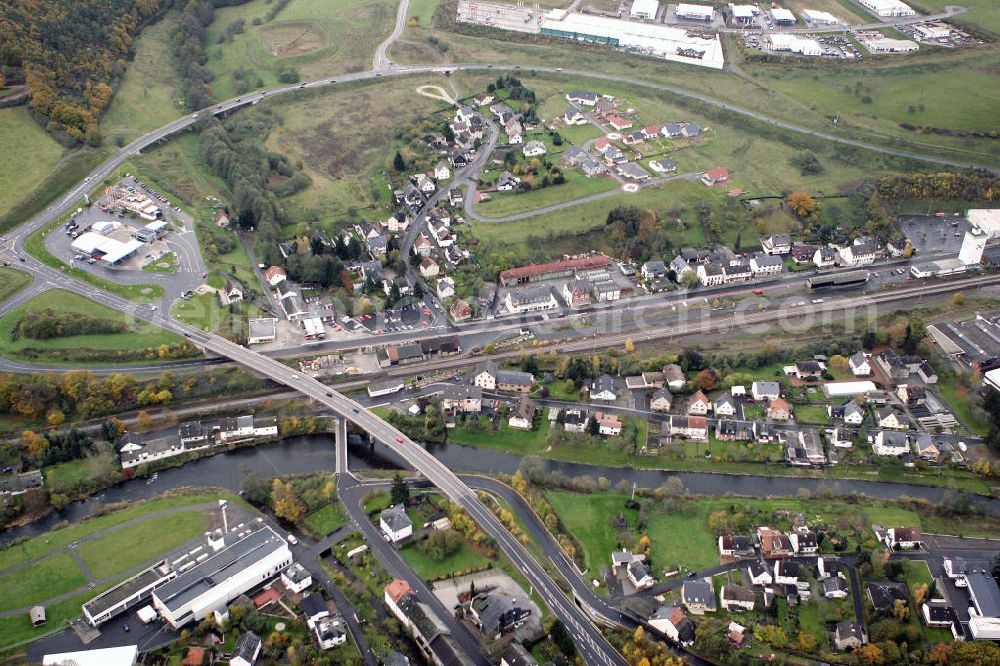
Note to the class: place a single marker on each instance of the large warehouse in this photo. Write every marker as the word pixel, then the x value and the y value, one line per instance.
pixel 222 576
pixel 659 41
pixel 644 10
pixel 784 42
pixel 694 12
pixel 887 8
pixel 108 249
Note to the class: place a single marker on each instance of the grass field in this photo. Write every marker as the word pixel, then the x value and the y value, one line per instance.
pixel 149 95
pixel 140 336
pixel 521 442
pixel 811 414
pixel 326 519
pixel 32 548
pixel 316 37
pixel 12 281
pixel 982 13
pixel 462 559
pixel 576 186
pixel 40 581
pixel 18 629
pixel 345 139
pixel 123 549
pixel 590 518
pixel 28 154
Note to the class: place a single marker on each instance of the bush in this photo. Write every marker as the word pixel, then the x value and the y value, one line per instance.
pixel 439 544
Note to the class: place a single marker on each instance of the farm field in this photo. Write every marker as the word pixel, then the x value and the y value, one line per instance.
pixel 28 155
pixel 314 37
pixel 139 336
pixel 576 186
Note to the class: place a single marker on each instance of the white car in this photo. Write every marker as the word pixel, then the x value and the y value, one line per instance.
pixel 292 540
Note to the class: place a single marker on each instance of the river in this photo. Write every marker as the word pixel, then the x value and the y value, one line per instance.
pixel 308 454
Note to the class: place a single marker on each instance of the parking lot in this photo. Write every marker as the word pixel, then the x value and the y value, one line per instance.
pixel 410 317
pixel 935 234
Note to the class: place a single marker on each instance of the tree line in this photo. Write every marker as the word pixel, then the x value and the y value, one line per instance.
pixel 941 186
pixel 70 55
pixel 47 324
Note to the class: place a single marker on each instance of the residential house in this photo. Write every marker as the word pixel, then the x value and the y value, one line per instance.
pixel 765 390
pixel 313 609
pixel 890 443
pixel 482 99
pixel 860 367
pixel 460 310
pixel 633 171
pixel 577 158
pixel 834 587
pixel 395 524
pixel 429 268
pixel 884 595
pixel 673 375
pixel 859 253
pixel 758 574
pixel 711 275
pixel 231 293
pixel 786 572
pixel 512 381
pixel 485 376
pixel 693 428
pixel 398 222
pixel 851 413
pixel 618 123
pixel 662 166
pixel 778 409
pixel 441 171
pixel 246 650
pixel 680 268
pixel 192 433
pixel 737 271
pixel 776 244
pixel 608 424
pixel 445 288
pixel 653 270
pixel 849 635
pixel 274 274
pixel 809 370
pixel 842 438
pixel 903 538
pixel 523 416
pixel 888 417
pixel 422 246
pixel 825 257
pixel 725 405
pixel 938 613
pixel 462 398
pixel 575 420
pixel 766 265
pixel 715 176
pixel 573 116
pixel 530 299
pixel 639 575
pixel 497 613
pixel 296 579
pixel 691 130
pixel 647 380
pixel 773 544
pixel 584 98
pixel 699 404
pixel 729 430
pixel 736 598
pixel 424 183
pixel 807 451
pixel 604 388
pixel 672 131
pixel 605 291
pixel 736 546
pixel 661 400
pixel 925 449
pixel 698 596
pixel 670 621
pixel 576 293
pixel 911 395
pixel 764 432
pixel 534 149
pixel 634 138
pixel 507 182
pixel 804 542
pixel 803 253
pixel 330 632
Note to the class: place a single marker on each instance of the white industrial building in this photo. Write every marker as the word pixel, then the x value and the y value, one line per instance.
pixel 694 12
pixel 212 580
pixel 973 246
pixel 262 329
pixel 659 41
pixel 820 18
pixel 847 389
pixel 110 250
pixel 888 45
pixel 782 16
pixel 113 656
pixel 743 14
pixel 784 42
pixel 644 10
pixel 887 8
pixel 987 219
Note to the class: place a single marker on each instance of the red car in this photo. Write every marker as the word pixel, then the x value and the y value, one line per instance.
pixel 758 292
pixel 399 440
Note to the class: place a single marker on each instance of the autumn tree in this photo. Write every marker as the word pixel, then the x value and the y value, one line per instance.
pixel 287 504
pixel 802 205
pixel 870 654
pixel 705 380
pixel 940 654
pixel 33 444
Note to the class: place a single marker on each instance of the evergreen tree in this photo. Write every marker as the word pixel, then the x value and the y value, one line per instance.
pixel 400 493
pixel 398 163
